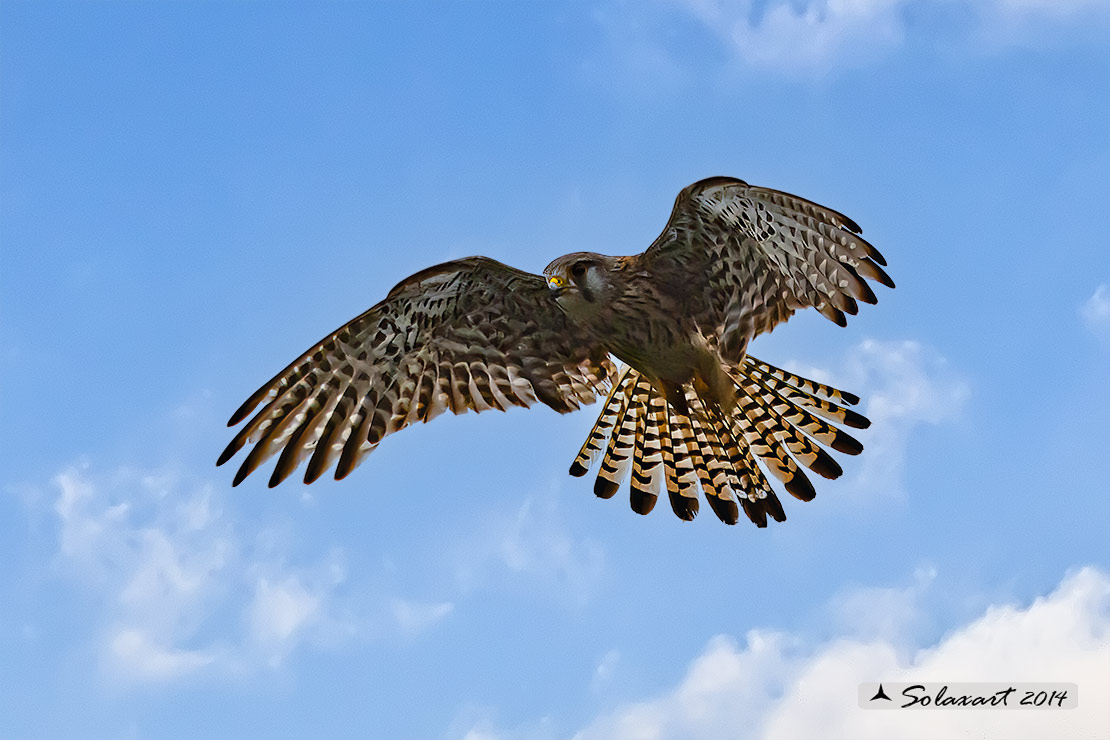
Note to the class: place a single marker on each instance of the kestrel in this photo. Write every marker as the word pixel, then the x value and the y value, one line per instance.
pixel 688 409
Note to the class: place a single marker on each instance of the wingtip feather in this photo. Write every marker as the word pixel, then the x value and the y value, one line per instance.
pixel 227 454
pixel 245 410
pixel 241 474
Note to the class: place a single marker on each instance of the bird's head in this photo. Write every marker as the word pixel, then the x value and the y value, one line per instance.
pixel 580 280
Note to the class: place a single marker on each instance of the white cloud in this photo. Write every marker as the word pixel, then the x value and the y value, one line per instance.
pixel 133 649
pixel 533 542
pixel 477 734
pixel 279 611
pixel 414 617
pixel 904 385
pixel 890 614
pixel 486 729
pixel 722 694
pixel 807 36
pixel 162 562
pixel 1095 311
pixel 1054 9
pixel 775 686
pixel 606 668
pixel 816 36
pixel 1029 23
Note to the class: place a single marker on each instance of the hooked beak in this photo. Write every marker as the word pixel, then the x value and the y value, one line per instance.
pixel 556 284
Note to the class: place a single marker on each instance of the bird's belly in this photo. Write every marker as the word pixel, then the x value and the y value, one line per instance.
pixel 656 350
pixel 651 331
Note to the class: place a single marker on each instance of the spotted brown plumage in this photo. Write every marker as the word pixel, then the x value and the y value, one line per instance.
pixel 472 334
pixel 690 411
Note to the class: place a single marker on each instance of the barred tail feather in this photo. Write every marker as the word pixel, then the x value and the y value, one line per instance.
pixel 779 423
pixel 648 461
pixel 684 495
pixel 809 389
pixel 798 417
pixel 715 469
pixel 606 420
pixel 618 454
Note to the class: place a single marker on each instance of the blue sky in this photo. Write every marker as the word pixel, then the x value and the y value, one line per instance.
pixel 193 193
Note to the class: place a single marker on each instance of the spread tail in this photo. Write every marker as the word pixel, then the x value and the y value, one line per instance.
pixel 776 424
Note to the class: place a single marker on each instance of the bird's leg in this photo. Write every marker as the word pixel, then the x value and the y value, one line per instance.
pixel 713 385
pixel 675 393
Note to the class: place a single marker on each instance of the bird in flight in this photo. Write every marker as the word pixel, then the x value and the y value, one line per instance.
pixel 687 409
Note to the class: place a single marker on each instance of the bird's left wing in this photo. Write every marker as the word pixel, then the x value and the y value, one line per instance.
pixel 748 257
pixel 472 334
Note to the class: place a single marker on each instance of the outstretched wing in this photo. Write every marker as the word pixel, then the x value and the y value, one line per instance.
pixel 750 256
pixel 468 334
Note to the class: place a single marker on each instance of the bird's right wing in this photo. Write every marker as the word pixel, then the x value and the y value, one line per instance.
pixel 468 334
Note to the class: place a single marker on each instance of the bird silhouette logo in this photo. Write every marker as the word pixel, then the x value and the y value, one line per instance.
pixel 880 694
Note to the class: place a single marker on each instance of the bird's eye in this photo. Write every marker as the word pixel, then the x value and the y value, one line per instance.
pixel 578 269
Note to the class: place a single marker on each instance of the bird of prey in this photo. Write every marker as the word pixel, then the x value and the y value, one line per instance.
pixel 687 409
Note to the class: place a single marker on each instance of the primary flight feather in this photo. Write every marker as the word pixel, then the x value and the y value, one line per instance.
pixel 689 409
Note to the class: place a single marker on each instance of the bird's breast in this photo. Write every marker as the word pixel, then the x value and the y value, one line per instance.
pixel 651 335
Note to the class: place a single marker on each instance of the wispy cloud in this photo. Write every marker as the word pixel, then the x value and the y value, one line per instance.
pixel 532 542
pixel 413 617
pixel 135 652
pixel 1057 9
pixel 904 384
pixel 776 685
pixel 1004 24
pixel 606 668
pixel 889 613
pixel 280 611
pixel 160 559
pixel 817 37
pixel 177 589
pixel 807 36
pixel 480 734
pixel 1095 311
